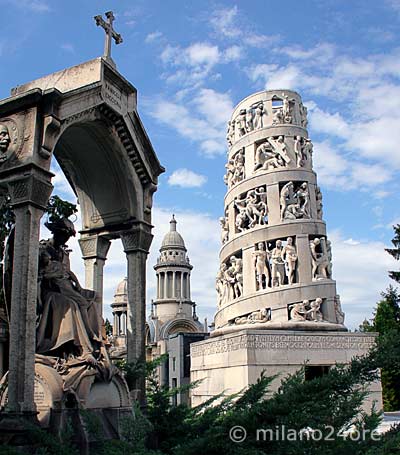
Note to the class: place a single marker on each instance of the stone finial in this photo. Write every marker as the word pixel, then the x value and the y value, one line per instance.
pixel 172 224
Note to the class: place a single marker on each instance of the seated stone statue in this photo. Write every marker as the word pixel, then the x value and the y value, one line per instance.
pixel 69 326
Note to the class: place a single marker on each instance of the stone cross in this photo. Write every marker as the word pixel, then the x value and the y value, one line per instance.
pixel 110 32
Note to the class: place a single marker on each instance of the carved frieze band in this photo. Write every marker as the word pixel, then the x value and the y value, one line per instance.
pixel 273 342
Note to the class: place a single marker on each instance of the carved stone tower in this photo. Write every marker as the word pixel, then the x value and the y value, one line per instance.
pixel 173 278
pixel 277 302
pixel 275 261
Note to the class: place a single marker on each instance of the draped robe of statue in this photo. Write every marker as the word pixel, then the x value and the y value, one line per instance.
pixel 69 336
pixel 69 322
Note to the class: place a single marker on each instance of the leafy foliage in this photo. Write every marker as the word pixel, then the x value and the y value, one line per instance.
pixel 395 252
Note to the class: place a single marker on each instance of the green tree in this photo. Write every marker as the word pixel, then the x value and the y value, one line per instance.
pixel 395 252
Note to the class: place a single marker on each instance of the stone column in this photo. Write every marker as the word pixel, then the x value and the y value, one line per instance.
pixel 304 258
pixel 181 296
pixel 136 244
pixel 174 285
pixel 165 285
pixel 94 253
pixel 29 196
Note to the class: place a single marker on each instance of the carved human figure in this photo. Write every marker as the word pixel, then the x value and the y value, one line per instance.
pixel 338 310
pixel 252 209
pixel 308 151
pixel 238 168
pixel 5 141
pixel 68 325
pixel 298 311
pixel 318 196
pixel 241 219
pixel 259 316
pixel 279 147
pixel 303 115
pixel 286 197
pixel 224 229
pixel 289 257
pixel 262 204
pixel 230 133
pixel 286 111
pixel 249 120
pixel 236 276
pixel 221 285
pixel 266 158
pixel 277 117
pixel 258 116
pixel 298 150
pixel 319 260
pixel 261 266
pixel 315 313
pixel 277 265
pixel 230 171
pixel 329 258
pixel 241 122
pixel 303 198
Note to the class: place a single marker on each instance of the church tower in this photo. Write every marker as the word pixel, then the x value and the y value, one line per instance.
pixel 173 270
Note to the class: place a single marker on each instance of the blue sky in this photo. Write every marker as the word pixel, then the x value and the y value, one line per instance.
pixel 192 62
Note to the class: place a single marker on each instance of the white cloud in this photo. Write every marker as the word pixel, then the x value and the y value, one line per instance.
pixel 224 22
pixel 202 54
pixel 360 269
pixel 37 6
pixel 186 178
pixel 154 36
pixel 201 119
pixel 233 53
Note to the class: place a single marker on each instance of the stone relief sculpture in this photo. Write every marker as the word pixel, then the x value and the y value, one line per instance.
pixel 249 120
pixel 308 151
pixel 235 274
pixel 252 209
pixel 289 257
pixel 258 316
pixel 68 333
pixel 224 229
pixel 303 115
pixel 258 116
pixel 235 170
pixel 261 264
pixel 306 311
pixel 314 313
pixel 301 151
pixel 266 158
pixel 279 147
pixel 230 133
pixel 298 311
pixel 295 204
pixel 277 265
pixel 338 310
pixel 283 114
pixel 319 259
pixel 303 199
pixel 241 122
pixel 221 285
pixel 318 196
pixel 5 141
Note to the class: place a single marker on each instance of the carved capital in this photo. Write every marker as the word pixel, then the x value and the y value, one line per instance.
pixel 139 238
pixel 94 247
pixel 30 190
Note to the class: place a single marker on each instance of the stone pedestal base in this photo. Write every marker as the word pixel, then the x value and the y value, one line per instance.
pixel 58 407
pixel 228 363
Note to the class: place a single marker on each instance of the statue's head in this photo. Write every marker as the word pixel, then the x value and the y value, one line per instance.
pixel 61 229
pixel 261 246
pixel 289 240
pixel 4 138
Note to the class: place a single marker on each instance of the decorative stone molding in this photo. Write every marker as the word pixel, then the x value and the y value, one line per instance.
pixel 30 190
pixel 283 342
pixel 137 239
pixel 94 247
